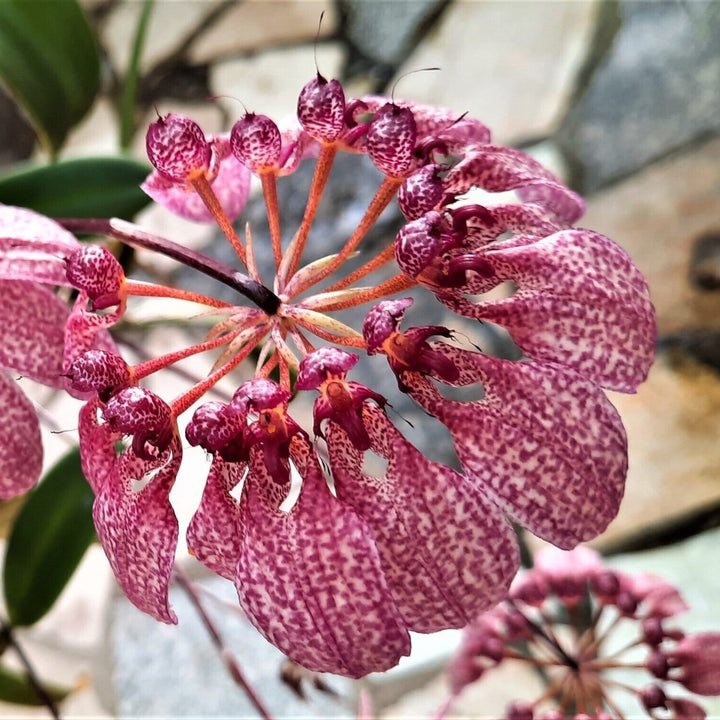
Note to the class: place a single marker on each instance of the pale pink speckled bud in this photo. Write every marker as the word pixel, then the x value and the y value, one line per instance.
pixel 391 140
pixel 95 270
pixel 321 109
pixel 256 142
pixel 177 147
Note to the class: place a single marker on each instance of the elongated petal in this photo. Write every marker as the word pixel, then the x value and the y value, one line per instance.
pixel 582 302
pixel 311 580
pixel 33 247
pixel 135 523
pixel 497 169
pixel 432 526
pixel 97 446
pixel 32 331
pixel 544 442
pixel 231 185
pixel 215 533
pixel 21 450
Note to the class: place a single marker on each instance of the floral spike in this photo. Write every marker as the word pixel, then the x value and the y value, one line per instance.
pixel 338 578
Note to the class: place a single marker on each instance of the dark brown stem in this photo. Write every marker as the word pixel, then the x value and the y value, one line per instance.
pixel 230 662
pixel 42 694
pixel 134 236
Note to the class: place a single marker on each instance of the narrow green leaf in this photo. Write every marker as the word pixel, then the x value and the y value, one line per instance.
pixel 127 102
pixel 48 540
pixel 86 187
pixel 50 61
pixel 16 688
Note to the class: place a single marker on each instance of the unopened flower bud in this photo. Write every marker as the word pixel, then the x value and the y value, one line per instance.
pixel 421 192
pixel 218 429
pixel 652 697
pixel 95 270
pixel 99 371
pixel 256 142
pixel 177 147
pixel 321 109
pixel 391 140
pixel 148 418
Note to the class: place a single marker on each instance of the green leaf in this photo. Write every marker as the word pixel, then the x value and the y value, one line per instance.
pixel 50 61
pixel 15 687
pixel 86 187
pixel 127 102
pixel 48 540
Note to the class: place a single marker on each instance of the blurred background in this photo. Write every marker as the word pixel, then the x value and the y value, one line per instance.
pixel 621 99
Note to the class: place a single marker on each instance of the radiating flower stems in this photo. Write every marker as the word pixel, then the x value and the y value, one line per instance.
pixel 227 657
pixel 142 289
pixel 320 178
pixel 132 235
pixel 202 186
pixel 8 637
pixel 383 196
pixel 269 186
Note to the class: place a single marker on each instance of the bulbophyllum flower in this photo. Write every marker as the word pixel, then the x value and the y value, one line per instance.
pixel 32 253
pixel 563 618
pixel 335 563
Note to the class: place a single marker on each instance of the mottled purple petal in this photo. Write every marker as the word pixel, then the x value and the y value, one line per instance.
pixel 97 445
pixel 215 532
pixel 21 450
pixel 581 302
pixel 432 527
pixel 495 168
pixel 544 442
pixel 311 579
pixel 33 247
pixel 138 529
pixel 33 326
pixel 231 185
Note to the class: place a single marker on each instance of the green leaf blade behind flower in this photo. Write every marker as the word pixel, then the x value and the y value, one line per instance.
pixel 16 688
pixel 50 61
pixel 48 539
pixel 85 187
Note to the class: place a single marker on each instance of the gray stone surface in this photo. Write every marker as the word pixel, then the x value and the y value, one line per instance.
pixel 175 671
pixel 655 90
pixel 382 32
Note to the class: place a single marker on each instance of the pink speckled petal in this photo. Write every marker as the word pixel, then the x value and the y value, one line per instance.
pixel 137 526
pixel 21 450
pixel 214 534
pixel 33 325
pixel 582 302
pixel 85 330
pixel 33 247
pixel 97 445
pixel 311 579
pixel 544 442
pixel 231 185
pixel 297 145
pixel 432 527
pixel 496 168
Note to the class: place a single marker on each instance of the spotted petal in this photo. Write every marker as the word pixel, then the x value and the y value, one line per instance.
pixel 32 331
pixel 544 442
pixel 432 527
pixel 214 534
pixel 495 168
pixel 21 451
pixel 582 302
pixel 311 579
pixel 33 247
pixel 135 523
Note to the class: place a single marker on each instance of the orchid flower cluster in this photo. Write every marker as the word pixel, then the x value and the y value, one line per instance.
pixel 579 623
pixel 337 577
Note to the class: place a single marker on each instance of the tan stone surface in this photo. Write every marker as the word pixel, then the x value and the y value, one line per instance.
pixel 270 83
pixel 510 64
pixel 261 24
pixel 673 426
pixel 655 216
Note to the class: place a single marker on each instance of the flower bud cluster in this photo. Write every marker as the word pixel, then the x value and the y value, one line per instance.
pixel 575 589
